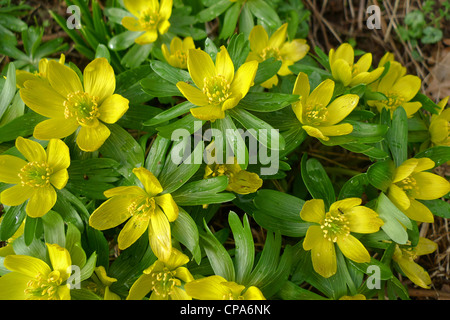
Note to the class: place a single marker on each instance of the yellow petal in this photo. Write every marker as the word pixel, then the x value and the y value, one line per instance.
pixel 59 179
pixel 16 195
pixel 163 26
pixel 405 169
pixel 41 202
pixel 439 130
pixel 60 258
pixel 259 39
pixel 13 285
pixel 200 66
pixel 136 7
pixel 111 213
pixel 141 287
pixel 315 132
pixel 10 167
pixel 133 230
pixel 363 220
pixel 344 205
pixel 313 211
pixel 353 249
pixel 398 197
pixel 224 64
pixel 168 205
pixel 160 235
pixel 231 102
pixel 113 108
pixel 208 288
pixel 294 50
pixel 340 108
pixel 284 69
pixel 40 97
pixel 58 155
pixel 424 164
pixel 407 86
pixel 244 78
pixel 314 235
pixel 364 63
pixel 342 71
pixel 411 108
pixel 302 87
pixel 268 84
pixel 417 211
pixel 99 79
pixel 148 180
pixel 415 273
pixel 367 77
pixel 253 293
pixel 183 273
pixel 90 139
pixel 63 79
pixel 323 256
pixel 208 113
pixel 26 265
pixel 425 246
pixel 278 37
pixel 345 52
pixel 149 36
pixel 131 24
pixel 176 259
pixel 429 186
pixel 23 76
pixel 188 43
pixel 244 182
pixel 55 129
pixel 125 191
pixel 165 9
pixel 192 94
pixel 336 130
pixel 322 94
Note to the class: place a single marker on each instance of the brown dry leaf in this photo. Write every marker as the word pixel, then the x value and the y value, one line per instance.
pixel 439 84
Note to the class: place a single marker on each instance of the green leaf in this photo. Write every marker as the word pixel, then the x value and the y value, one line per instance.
pixel 238 49
pixel 230 21
pixel 385 271
pixel 395 221
pixel 185 231
pixel 136 55
pixel 432 35
pixel 438 207
pixel 123 40
pixel 439 154
pixel 264 12
pixel 397 136
pixel 317 181
pixel 158 87
pixel 218 257
pixel 355 187
pixel 213 11
pixel 169 73
pixel 427 104
pixel 380 174
pixel 291 291
pixel 54 229
pixel 205 191
pixel 266 102
pixel 73 245
pixel 11 221
pixel 157 155
pixel 266 70
pixel 9 89
pixel 169 114
pixel 245 247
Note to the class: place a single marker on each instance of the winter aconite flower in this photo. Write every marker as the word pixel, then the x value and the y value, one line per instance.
pixel 399 90
pixel 72 105
pixel 101 283
pixel 146 209
pixel 22 75
pixel 288 52
pixel 412 183
pixel 319 116
pixel 345 70
pixel 33 279
pixel 219 88
pixel 239 181
pixel 164 279
pixel 217 288
pixel 177 54
pixel 35 178
pixel 405 256
pixel 335 227
pixel 440 125
pixel 150 18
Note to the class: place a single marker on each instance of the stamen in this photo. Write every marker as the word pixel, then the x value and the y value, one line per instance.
pixel 217 89
pixel 335 225
pixel 149 19
pixel 81 106
pixel 35 174
pixel 270 53
pixel 163 282
pixel 315 114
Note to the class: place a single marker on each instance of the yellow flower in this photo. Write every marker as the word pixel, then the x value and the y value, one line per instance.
pixel 71 105
pixel 399 89
pixel 345 216
pixel 405 256
pixel 8 249
pixel 319 117
pixel 179 49
pixel 262 48
pixel 33 279
pixel 218 87
pixel 145 208
pixel 35 179
pixel 239 181
pixel 164 279
pixel 101 283
pixel 22 76
pixel 150 17
pixel 355 297
pixel 440 125
pixel 217 288
pixel 411 182
pixel 345 70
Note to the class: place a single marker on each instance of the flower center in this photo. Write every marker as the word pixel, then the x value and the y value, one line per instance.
pixel 355 70
pixel 217 89
pixel 142 208
pixel 149 19
pixel 334 225
pixel 44 288
pixel 394 100
pixel 315 114
pixel 408 184
pixel 35 174
pixel 271 53
pixel 163 282
pixel 81 106
pixel 181 57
